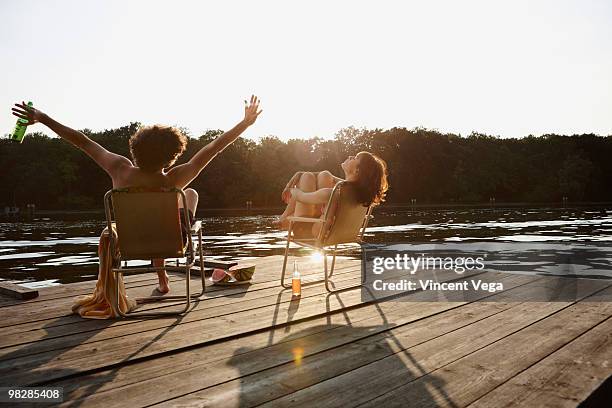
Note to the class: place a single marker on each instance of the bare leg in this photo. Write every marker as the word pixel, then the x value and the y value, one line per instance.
pixel 192 203
pixel 307 183
pixel 324 180
pixel 162 276
pixel 289 210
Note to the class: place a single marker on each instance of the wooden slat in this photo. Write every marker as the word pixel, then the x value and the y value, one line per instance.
pixel 17 292
pixel 52 315
pixel 471 377
pixel 44 365
pixel 243 346
pixel 267 273
pixel 83 331
pixel 398 368
pixel 262 351
pixel 151 342
pixel 217 263
pixel 381 360
pixel 73 289
pixel 5 300
pixel 83 288
pixel 563 379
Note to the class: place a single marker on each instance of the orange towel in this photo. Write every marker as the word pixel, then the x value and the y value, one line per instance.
pixel 98 305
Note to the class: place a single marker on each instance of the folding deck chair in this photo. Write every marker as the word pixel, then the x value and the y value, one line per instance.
pixel 148 226
pixel 344 221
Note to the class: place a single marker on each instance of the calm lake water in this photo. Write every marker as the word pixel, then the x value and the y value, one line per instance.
pixel 55 250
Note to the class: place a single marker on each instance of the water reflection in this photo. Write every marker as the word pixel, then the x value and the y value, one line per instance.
pixel 65 250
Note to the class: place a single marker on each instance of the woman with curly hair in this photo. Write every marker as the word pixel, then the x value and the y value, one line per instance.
pixel 154 150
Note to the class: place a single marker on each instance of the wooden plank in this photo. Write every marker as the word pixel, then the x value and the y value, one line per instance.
pixel 17 292
pixel 80 330
pixel 134 346
pixel 217 263
pixel 18 315
pixel 69 291
pixel 562 379
pixel 53 315
pixel 82 288
pixel 397 368
pixel 401 353
pixel 234 358
pixel 42 312
pixel 471 377
pixel 57 311
pixel 600 397
pixel 153 372
pixel 216 297
pixel 129 347
pixel 274 350
pixel 74 289
pixel 5 300
pixel 212 305
pixel 54 337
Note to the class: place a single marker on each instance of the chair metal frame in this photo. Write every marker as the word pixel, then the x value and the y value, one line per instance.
pixel 318 243
pixel 120 270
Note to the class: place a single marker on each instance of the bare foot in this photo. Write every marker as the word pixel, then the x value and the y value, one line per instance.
pixel 164 284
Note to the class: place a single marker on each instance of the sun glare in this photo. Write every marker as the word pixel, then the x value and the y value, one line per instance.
pixel 316 256
pixel 298 354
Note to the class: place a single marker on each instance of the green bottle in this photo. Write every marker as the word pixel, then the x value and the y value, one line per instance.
pixel 20 128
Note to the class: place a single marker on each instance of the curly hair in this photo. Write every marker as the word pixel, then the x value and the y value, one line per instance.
pixel 157 147
pixel 371 181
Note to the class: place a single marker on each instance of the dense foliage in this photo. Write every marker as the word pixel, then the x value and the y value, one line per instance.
pixel 423 164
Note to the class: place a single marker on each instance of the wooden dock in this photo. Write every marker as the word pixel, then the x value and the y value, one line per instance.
pixel 255 345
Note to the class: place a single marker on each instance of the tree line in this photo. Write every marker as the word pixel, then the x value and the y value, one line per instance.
pixel 424 165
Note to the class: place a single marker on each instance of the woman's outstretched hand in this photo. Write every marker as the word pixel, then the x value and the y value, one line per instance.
pixel 23 111
pixel 251 110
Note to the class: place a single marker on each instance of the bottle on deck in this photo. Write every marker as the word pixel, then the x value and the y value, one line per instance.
pixel 296 282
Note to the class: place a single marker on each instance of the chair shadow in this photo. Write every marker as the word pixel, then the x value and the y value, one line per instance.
pixel 92 386
pixel 23 367
pixel 317 370
pixel 15 372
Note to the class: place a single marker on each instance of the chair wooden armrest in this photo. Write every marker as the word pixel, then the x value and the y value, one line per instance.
pixel 304 219
pixel 196 226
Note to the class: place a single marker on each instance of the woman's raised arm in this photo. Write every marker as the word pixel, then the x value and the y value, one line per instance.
pixel 108 161
pixel 321 196
pixel 183 174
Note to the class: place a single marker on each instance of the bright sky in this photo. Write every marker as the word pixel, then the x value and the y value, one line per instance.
pixel 507 68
